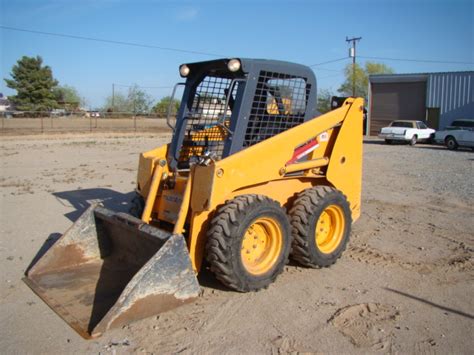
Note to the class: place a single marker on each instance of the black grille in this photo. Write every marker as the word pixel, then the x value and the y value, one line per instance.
pixel 206 128
pixel 279 104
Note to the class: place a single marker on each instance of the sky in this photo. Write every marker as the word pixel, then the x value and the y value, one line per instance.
pixel 301 31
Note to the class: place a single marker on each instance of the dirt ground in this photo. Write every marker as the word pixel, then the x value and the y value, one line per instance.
pixel 404 285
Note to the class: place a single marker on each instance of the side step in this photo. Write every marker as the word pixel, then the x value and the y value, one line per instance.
pixel 110 269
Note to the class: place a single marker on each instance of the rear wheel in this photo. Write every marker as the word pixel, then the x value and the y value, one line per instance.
pixel 451 143
pixel 321 224
pixel 413 140
pixel 248 242
pixel 388 141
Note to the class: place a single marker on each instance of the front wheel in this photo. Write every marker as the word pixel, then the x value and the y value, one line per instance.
pixel 248 242
pixel 413 140
pixel 321 224
pixel 136 206
pixel 451 143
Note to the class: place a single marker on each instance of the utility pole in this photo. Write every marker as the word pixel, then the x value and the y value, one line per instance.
pixel 113 97
pixel 352 53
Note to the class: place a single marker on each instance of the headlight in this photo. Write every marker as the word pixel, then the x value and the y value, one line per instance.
pixel 184 70
pixel 233 65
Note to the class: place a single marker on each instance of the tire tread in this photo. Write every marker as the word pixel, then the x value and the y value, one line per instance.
pixel 220 237
pixel 304 206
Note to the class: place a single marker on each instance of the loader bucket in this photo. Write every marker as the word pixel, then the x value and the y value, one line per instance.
pixel 109 269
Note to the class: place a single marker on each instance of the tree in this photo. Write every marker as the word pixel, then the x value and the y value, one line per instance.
pixel 324 100
pixel 34 85
pixel 361 77
pixel 116 103
pixel 136 101
pixel 68 97
pixel 139 101
pixel 161 107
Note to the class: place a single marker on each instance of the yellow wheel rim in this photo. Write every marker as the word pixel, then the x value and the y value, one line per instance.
pixel 330 229
pixel 261 245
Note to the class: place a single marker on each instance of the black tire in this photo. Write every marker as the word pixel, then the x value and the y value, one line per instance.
pixel 225 241
pixel 431 140
pixel 451 143
pixel 413 140
pixel 388 141
pixel 305 214
pixel 136 206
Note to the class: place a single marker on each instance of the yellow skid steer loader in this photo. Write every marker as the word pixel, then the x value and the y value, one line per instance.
pixel 253 175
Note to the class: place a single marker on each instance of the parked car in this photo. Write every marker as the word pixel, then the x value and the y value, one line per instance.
pixel 461 124
pixel 58 112
pixel 407 131
pixel 459 134
pixel 94 114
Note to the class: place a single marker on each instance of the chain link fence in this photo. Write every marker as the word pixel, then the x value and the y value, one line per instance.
pixel 57 122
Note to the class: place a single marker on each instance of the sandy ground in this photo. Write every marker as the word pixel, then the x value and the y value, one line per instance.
pixel 404 285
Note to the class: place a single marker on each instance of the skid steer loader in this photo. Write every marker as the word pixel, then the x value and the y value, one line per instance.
pixel 253 175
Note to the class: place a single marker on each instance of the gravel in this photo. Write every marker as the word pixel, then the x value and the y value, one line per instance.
pixel 423 171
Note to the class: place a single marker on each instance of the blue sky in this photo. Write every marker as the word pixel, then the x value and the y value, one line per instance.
pixel 306 32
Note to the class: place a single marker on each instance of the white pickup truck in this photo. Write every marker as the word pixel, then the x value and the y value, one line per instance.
pixel 406 131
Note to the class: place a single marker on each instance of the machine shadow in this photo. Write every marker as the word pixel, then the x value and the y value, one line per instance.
pixel 47 244
pixel 208 280
pixel 82 199
pixel 444 308
pixel 114 275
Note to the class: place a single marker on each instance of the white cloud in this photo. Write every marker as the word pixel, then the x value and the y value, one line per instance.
pixel 187 13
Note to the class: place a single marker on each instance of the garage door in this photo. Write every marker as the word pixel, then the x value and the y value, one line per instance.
pixel 396 101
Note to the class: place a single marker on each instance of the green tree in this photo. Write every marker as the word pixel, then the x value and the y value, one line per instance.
pixel 136 101
pixel 361 77
pixel 324 100
pixel 161 107
pixel 139 101
pixel 116 103
pixel 34 85
pixel 68 97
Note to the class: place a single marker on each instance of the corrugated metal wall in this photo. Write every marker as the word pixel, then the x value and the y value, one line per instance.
pixel 453 93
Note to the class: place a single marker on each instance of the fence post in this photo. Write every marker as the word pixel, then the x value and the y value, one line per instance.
pixel 135 122
pixel 41 123
pixel 90 123
pixel 51 117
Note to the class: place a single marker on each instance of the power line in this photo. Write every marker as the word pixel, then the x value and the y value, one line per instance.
pixel 135 44
pixel 330 76
pixel 327 69
pixel 103 40
pixel 416 60
pixel 327 62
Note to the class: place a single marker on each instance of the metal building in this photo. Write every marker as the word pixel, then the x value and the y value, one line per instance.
pixel 436 98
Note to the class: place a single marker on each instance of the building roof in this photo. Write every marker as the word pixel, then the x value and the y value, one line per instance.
pixel 411 77
pixel 4 102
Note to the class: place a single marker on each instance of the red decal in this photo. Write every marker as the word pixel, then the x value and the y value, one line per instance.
pixel 305 149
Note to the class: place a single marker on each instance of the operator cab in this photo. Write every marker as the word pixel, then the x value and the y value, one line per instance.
pixel 231 104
